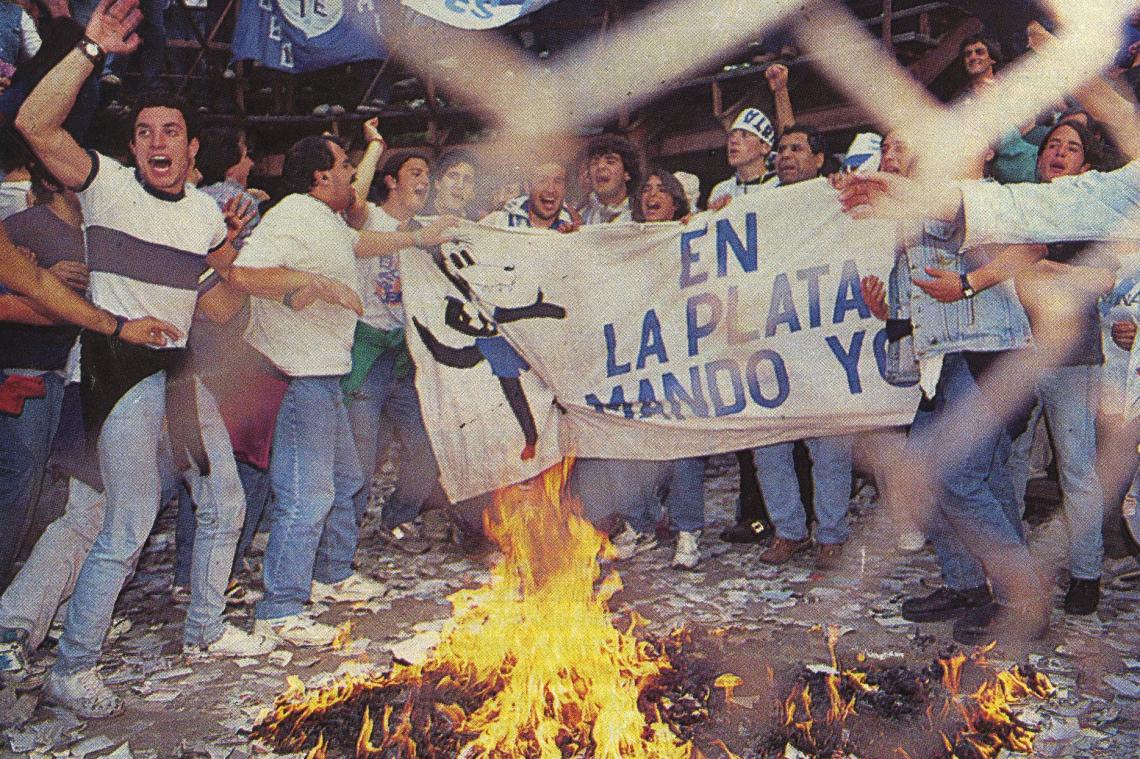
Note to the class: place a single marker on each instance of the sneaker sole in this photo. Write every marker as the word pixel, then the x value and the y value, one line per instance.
pixel 940 616
pixel 276 636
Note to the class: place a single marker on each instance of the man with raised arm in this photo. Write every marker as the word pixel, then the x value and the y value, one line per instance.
pixel 382 381
pixel 149 239
pixel 750 140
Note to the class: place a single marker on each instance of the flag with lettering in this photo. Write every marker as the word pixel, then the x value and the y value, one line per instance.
pixel 306 35
pixel 475 14
pixel 741 328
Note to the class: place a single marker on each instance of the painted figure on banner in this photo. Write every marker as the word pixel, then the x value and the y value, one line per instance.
pixel 497 279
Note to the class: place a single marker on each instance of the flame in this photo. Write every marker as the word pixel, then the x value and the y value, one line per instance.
pixel 990 722
pixel 537 643
pixel 343 636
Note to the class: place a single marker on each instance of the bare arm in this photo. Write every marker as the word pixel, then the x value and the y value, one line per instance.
pixel 273 282
pixel 777 75
pixel 389 243
pixel 365 171
pixel 280 283
pixel 1109 107
pixel 1008 263
pixel 41 117
pixel 21 310
pixel 20 274
pixel 221 303
pixel 945 286
pixel 1100 99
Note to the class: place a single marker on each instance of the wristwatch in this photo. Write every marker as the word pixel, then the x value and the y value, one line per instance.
pixel 120 322
pixel 967 291
pixel 91 50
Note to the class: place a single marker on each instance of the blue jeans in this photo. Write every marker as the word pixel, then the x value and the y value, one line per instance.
pixel 634 490
pixel 315 474
pixel 25 444
pixel 128 460
pixel 831 486
pixel 382 395
pixel 255 484
pixel 1070 396
pixel 975 525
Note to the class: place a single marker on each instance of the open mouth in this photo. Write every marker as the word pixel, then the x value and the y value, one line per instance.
pixel 160 162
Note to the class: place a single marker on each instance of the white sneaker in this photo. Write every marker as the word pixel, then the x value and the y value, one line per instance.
pixel 687 554
pixel 83 693
pixel 629 542
pixel 235 642
pixel 911 541
pixel 355 587
pixel 298 629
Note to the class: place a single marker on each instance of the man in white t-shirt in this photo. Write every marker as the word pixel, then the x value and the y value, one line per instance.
pixel 149 239
pixel 382 381
pixel 300 266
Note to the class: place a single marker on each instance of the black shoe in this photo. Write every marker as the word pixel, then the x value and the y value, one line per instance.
pixel 1083 596
pixel 747 532
pixel 944 603
pixel 994 622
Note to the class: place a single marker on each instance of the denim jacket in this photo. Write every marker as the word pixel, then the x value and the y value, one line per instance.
pixel 993 320
pixel 11 33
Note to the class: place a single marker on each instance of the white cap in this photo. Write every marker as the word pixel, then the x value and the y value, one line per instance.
pixel 753 120
pixel 691 184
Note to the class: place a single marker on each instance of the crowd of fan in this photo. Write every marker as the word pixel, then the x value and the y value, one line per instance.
pixel 299 296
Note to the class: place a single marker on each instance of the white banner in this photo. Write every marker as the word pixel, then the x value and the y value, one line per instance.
pixel 655 341
pixel 475 14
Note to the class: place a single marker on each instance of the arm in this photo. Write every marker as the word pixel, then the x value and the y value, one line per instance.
pixel 365 171
pixel 777 75
pixel 221 302
pixel 21 275
pixel 41 117
pixel 946 286
pixel 1109 107
pixel 1093 206
pixel 1093 280
pixel 1100 99
pixel 282 284
pixel 372 243
pixel 21 310
pixel 1008 263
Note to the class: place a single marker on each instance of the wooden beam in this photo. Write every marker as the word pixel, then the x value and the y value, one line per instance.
pixel 888 19
pixel 835 118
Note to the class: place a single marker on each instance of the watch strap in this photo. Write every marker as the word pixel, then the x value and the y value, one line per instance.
pixel 91 50
pixel 967 291
pixel 120 322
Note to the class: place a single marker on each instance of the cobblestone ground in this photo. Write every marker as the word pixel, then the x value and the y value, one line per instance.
pixel 766 616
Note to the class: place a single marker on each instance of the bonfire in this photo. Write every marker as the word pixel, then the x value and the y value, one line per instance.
pixel 529 665
pixel 532 666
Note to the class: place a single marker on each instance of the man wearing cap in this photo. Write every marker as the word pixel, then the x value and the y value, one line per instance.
pixel 749 142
